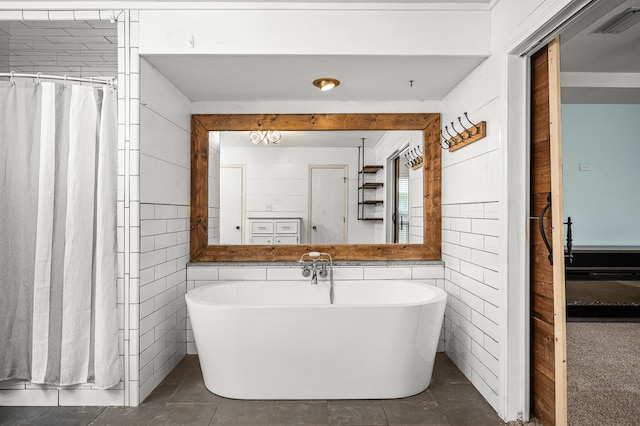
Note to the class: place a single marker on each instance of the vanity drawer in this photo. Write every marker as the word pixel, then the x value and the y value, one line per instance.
pixel 259 239
pixel 287 227
pixel 286 239
pixel 262 227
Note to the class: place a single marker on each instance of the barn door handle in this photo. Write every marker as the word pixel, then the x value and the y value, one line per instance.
pixel 541 228
pixel 569 254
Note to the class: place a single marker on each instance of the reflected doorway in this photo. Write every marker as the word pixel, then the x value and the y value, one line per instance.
pixel 231 204
pixel 328 201
pixel 401 201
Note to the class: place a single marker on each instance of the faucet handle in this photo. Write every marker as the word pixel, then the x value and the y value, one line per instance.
pixel 306 272
pixel 322 271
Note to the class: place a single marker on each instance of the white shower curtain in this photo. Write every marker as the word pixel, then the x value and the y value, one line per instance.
pixel 58 310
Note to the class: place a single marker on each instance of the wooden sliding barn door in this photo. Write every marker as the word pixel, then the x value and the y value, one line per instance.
pixel 548 319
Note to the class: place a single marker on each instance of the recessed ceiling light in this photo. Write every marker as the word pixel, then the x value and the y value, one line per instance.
pixel 326 83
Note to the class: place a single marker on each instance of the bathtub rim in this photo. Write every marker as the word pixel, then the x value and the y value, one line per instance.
pixel 439 295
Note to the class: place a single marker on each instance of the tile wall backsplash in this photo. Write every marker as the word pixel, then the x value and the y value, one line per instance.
pixel 164 252
pixel 164 227
pixel 470 247
pixel 200 275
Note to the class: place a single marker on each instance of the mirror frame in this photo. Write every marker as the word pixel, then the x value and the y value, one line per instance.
pixel 202 124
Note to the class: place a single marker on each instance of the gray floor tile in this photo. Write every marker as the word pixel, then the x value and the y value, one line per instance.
pixel 183 399
pixel 356 412
pixel 445 371
pixel 72 416
pixel 140 415
pixel 192 390
pixel 20 415
pixel 178 375
pixel 415 413
pixel 299 413
pixel 462 404
pixel 185 414
pixel 239 412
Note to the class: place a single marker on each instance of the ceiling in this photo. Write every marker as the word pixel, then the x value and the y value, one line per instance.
pixel 289 77
pixel 583 50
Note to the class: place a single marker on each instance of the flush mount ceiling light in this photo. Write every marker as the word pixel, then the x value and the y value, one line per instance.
pixel 621 22
pixel 265 136
pixel 326 83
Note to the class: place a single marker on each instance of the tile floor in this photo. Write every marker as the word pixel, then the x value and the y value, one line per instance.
pixel 182 399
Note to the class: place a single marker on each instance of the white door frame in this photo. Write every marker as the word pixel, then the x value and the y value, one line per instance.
pixel 514 352
pixel 345 206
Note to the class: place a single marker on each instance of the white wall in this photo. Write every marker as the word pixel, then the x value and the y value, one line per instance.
pixel 164 226
pixel 603 201
pixel 214 189
pixel 485 203
pixel 277 183
pixel 304 29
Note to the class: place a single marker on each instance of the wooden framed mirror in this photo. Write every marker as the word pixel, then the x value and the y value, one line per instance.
pixel 202 124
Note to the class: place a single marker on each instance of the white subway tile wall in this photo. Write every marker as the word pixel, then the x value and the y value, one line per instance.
pixel 470 242
pixel 201 275
pixel 162 309
pixel 164 228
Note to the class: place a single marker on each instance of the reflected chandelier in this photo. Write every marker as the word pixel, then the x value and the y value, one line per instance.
pixel 265 136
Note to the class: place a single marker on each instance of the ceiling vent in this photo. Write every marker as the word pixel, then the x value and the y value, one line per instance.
pixel 620 23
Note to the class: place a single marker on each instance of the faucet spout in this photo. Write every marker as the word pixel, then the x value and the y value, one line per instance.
pixel 315 263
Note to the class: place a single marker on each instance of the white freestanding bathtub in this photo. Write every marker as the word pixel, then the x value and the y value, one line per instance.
pixel 283 340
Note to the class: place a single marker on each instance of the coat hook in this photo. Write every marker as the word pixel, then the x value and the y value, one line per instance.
pixel 457 132
pixel 451 140
pixel 475 125
pixel 467 131
pixel 446 142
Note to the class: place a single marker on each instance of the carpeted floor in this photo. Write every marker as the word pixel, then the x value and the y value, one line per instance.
pixel 603 372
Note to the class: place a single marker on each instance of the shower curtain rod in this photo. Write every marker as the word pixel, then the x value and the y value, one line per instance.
pixel 112 81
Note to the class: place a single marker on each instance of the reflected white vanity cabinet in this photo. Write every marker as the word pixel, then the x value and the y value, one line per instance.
pixel 274 231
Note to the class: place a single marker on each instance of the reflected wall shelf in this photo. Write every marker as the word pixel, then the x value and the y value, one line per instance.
pixel 371 169
pixel 366 205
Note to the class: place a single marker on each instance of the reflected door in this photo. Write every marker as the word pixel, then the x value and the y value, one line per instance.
pixel 327 198
pixel 231 204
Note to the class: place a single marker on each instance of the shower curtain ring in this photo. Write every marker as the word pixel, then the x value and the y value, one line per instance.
pixel 12 78
pixel 38 79
pixel 65 80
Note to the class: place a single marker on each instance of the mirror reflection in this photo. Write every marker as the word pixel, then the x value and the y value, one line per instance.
pixel 315 187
